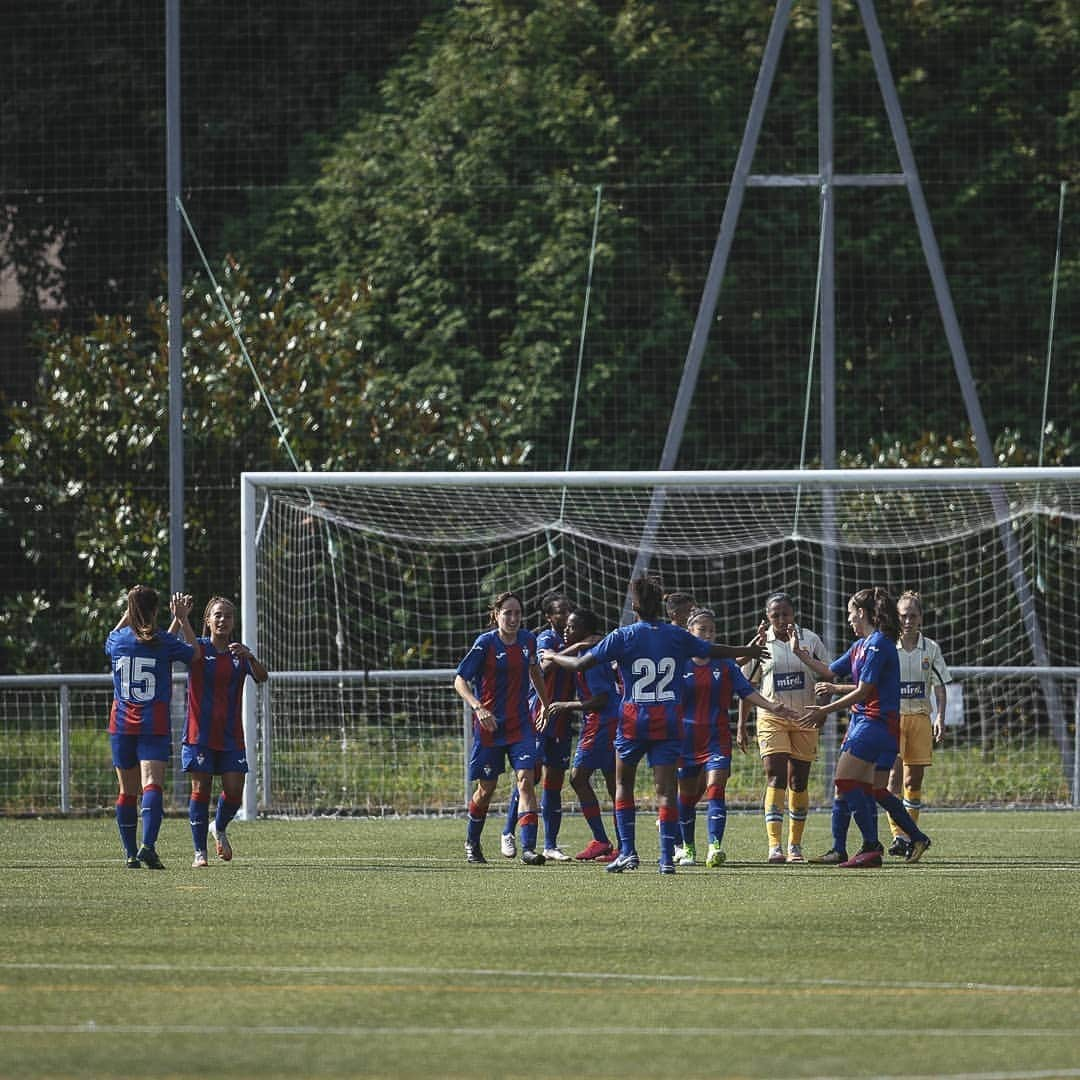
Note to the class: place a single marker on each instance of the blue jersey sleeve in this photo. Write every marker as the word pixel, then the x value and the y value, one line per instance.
pixel 873 662
pixel 842 666
pixel 740 684
pixel 469 668
pixel 611 648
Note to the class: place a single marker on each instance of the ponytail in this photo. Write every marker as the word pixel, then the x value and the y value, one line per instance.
pixel 142 608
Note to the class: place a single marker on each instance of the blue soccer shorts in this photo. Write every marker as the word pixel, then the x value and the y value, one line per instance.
pixel 871 740
pixel 656 751
pixel 129 750
pixel 216 762
pixel 489 762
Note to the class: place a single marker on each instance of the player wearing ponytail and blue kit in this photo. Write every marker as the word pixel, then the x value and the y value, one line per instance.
pixel 650 656
pixel 142 656
pixel 870 746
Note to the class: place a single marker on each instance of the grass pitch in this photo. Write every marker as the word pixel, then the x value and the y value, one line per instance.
pixel 369 948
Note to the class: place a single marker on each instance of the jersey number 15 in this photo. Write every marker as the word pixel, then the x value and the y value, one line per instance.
pixel 138 680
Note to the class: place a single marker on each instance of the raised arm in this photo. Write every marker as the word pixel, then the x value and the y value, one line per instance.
pixel 180 606
pixel 574 663
pixel 817 666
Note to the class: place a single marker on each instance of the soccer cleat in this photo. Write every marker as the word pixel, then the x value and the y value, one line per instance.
pixel 556 854
pixel 221 843
pixel 715 857
pixel 593 850
pixel 610 857
pixel 795 854
pixel 864 860
pixel 474 854
pixel 688 856
pixel 918 849
pixel 132 863
pixel 532 858
pixel 508 845
pixel 623 862
pixel 901 845
pixel 678 853
pixel 776 855
pixel 667 868
pixel 149 858
pixel 832 857
pixel 199 862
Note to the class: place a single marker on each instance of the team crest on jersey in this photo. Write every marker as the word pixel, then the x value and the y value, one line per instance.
pixel 200 758
pixel 717 675
pixel 926 663
pixel 487 770
pixel 525 651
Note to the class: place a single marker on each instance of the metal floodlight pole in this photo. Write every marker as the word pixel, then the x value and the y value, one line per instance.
pixel 711 293
pixel 173 168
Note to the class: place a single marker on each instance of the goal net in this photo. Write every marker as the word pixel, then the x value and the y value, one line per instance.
pixel 363 591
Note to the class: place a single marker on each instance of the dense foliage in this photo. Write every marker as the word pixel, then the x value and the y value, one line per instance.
pixel 413 295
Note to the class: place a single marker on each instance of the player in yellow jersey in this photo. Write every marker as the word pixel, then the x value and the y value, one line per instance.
pixel 787 750
pixel 923 674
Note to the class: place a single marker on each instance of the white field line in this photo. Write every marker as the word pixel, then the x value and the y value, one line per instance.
pixel 91 1027
pixel 562 976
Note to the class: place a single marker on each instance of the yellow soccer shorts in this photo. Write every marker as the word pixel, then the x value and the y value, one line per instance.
pixel 776 736
pixel 916 739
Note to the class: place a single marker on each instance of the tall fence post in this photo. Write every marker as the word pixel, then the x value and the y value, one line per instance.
pixel 1076 746
pixel 65 749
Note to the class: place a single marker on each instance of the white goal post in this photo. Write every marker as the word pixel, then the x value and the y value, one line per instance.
pixel 361 591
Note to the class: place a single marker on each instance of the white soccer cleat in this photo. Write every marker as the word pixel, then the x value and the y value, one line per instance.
pixel 199 862
pixel 795 854
pixel 776 855
pixel 556 854
pixel 221 843
pixel 508 845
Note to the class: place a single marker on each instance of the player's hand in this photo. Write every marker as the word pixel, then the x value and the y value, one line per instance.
pixel 814 717
pixel 762 632
pixel 785 712
pixel 742 740
pixel 757 651
pixel 485 719
pixel 542 717
pixel 180 604
pixel 939 730
pixel 241 652
pixel 825 689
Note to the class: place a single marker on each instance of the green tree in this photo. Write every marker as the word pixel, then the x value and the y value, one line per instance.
pixel 87 464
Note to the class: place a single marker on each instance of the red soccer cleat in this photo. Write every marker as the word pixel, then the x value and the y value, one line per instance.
pixel 863 860
pixel 594 850
pixel 610 857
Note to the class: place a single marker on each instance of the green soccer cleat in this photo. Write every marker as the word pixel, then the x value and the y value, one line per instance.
pixel 715 856
pixel 688 856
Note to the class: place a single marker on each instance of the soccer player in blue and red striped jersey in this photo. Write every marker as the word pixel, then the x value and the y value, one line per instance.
pixel 493 679
pixel 597 701
pixel 708 687
pixel 553 745
pixel 650 655
pixel 872 740
pixel 142 656
pixel 214 733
